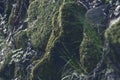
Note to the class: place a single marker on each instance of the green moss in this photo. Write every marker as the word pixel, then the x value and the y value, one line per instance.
pixel 113 37
pixel 112 33
pixel 67 31
pixel 40 15
pixel 42 69
pixel 21 39
pixel 33 11
pixel 90 53
pixel 17 14
pixel 91 47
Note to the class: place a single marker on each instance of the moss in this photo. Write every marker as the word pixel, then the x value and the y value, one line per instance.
pixel 67 31
pixel 33 11
pixel 43 67
pixel 40 15
pixel 91 46
pixel 113 37
pixel 112 33
pixel 90 53
pixel 21 39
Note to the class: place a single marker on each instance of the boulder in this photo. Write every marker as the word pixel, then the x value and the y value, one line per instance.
pixel 93 41
pixel 112 35
pixel 63 43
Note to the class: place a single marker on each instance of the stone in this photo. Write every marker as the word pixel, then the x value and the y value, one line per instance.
pixel 66 36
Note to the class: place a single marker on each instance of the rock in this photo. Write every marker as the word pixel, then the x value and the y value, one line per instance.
pixel 98 17
pixel 93 41
pixel 40 15
pixel 66 36
pixel 112 35
pixel 113 31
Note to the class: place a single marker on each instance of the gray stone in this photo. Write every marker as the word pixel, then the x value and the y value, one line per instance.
pixel 97 15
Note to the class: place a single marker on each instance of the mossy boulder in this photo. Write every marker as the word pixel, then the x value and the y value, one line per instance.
pixel 93 41
pixel 21 39
pixel 113 37
pixel 67 35
pixel 96 17
pixel 112 33
pixel 90 53
pixel 40 15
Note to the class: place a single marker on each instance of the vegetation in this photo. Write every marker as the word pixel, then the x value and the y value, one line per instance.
pixel 59 40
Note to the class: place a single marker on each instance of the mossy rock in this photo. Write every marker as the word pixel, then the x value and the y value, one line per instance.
pixel 90 53
pixel 32 11
pixel 67 34
pixel 21 39
pixel 91 46
pixel 113 33
pixel 40 15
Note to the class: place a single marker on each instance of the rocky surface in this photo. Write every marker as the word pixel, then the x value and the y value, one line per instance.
pixel 59 39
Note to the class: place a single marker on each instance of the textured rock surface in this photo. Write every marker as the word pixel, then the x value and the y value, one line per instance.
pixel 112 35
pixel 59 40
pixel 67 29
pixel 92 44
